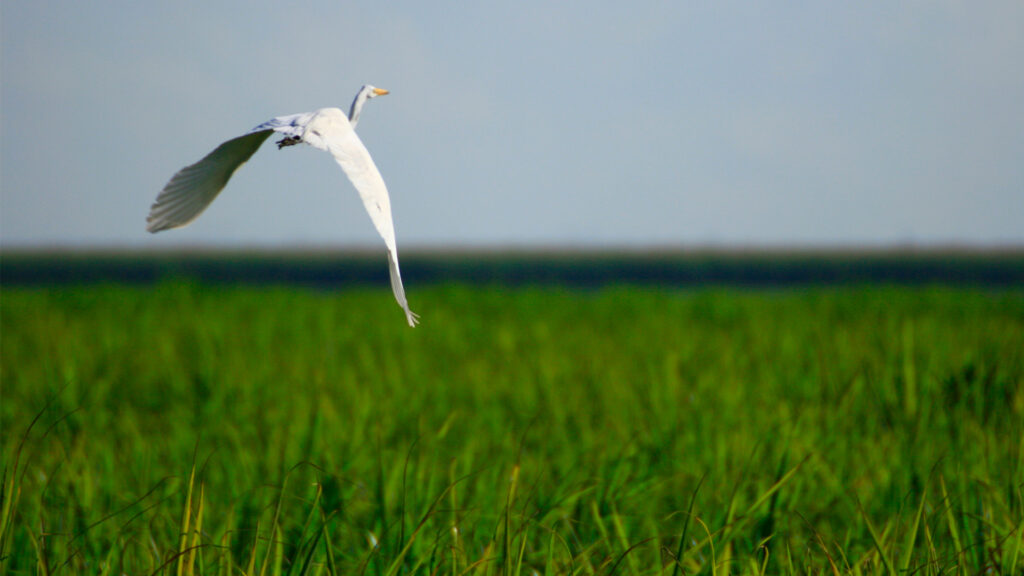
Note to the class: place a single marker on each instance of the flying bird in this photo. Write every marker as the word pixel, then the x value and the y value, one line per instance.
pixel 194 187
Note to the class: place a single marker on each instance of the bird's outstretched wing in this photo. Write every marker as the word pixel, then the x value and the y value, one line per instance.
pixel 329 129
pixel 192 189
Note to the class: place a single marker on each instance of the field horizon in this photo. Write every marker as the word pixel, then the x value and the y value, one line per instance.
pixel 999 266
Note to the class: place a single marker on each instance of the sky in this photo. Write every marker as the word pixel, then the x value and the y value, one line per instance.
pixel 528 124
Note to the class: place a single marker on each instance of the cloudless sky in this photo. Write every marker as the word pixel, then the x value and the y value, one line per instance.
pixel 598 123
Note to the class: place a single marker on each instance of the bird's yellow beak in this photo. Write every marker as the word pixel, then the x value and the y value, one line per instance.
pixel 380 91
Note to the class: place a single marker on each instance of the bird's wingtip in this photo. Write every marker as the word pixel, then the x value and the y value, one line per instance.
pixel 154 225
pixel 412 317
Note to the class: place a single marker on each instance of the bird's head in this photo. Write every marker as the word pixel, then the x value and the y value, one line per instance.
pixel 364 94
pixel 373 91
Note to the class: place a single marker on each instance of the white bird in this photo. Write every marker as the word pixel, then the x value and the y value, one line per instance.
pixel 194 187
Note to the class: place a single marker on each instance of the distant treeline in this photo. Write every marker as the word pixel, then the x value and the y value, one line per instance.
pixel 754 268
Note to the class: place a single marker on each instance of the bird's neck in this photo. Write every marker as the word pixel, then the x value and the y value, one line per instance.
pixel 357 107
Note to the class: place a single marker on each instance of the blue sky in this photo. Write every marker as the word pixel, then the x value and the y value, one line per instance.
pixel 524 124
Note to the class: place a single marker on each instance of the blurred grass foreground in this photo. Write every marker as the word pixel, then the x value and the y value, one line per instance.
pixel 199 426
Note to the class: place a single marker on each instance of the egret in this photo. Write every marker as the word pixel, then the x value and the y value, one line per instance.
pixel 194 187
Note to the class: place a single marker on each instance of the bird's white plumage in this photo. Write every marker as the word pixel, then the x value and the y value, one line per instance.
pixel 290 125
pixel 194 187
pixel 329 130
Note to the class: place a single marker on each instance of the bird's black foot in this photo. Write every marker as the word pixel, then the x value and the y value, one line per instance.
pixel 289 141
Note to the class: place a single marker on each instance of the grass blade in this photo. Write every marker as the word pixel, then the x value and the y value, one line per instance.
pixel 908 548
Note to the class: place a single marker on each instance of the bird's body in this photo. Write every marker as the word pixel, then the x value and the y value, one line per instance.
pixel 194 187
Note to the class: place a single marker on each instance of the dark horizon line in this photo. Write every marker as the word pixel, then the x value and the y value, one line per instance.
pixel 529 249
pixel 591 268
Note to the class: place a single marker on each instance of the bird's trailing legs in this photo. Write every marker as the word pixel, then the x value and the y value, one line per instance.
pixel 289 141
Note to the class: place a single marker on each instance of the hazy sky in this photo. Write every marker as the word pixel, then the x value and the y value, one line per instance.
pixel 529 123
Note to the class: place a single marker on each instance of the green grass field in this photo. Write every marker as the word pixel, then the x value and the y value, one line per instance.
pixel 191 429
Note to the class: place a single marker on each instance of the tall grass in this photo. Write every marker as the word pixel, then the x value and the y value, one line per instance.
pixel 188 429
